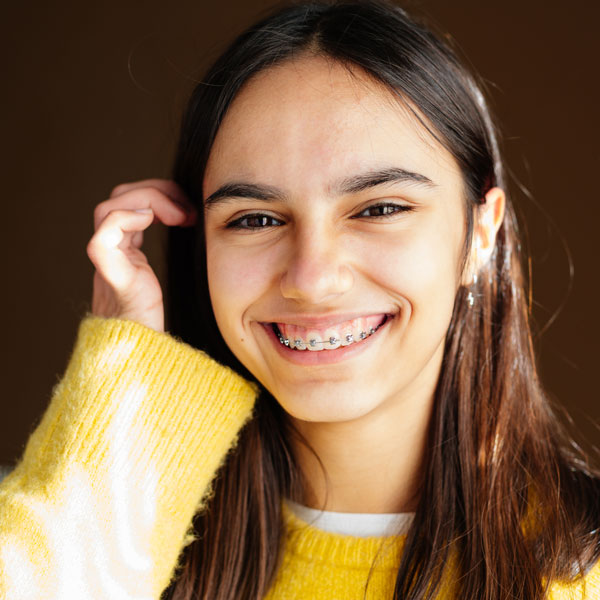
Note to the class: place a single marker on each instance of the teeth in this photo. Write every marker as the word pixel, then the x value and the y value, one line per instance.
pixel 298 344
pixel 330 339
pixel 333 339
pixel 314 339
pixel 347 338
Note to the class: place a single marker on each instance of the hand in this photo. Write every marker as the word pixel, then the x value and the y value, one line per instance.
pixel 125 285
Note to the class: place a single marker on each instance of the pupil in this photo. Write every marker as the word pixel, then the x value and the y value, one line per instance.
pixel 257 221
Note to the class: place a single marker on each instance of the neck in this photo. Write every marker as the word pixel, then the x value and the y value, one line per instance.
pixel 374 464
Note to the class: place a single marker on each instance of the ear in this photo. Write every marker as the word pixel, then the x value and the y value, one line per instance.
pixel 489 219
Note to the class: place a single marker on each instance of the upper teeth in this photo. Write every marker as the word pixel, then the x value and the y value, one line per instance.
pixel 315 343
pixel 336 335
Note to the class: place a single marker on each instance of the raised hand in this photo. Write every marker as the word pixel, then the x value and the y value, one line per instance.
pixel 125 286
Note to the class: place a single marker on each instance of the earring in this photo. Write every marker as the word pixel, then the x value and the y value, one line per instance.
pixel 470 297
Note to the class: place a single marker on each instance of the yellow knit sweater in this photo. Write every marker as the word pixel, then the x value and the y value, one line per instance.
pixel 101 503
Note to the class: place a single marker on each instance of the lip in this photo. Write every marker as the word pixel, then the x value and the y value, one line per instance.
pixel 324 357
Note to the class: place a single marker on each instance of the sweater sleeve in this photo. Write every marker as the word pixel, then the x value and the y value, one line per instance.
pixel 585 588
pixel 102 501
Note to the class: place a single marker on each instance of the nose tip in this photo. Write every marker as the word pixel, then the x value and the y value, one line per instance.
pixel 315 277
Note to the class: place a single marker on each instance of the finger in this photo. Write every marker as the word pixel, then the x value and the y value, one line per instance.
pixel 166 186
pixel 137 239
pixel 163 207
pixel 105 247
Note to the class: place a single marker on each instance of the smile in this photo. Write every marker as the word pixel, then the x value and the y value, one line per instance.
pixel 343 334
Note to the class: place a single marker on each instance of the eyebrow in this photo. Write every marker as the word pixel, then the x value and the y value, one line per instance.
pixel 349 185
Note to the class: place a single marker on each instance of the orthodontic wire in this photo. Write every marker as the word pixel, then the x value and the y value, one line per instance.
pixel 331 341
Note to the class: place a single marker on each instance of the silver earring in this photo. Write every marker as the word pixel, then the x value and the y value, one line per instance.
pixel 470 297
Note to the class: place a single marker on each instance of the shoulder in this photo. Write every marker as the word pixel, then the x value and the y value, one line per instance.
pixel 574 531
pixel 584 588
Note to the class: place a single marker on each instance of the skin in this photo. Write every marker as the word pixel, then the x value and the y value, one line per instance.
pixel 301 127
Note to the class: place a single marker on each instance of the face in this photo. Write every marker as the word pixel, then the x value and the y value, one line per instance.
pixel 335 222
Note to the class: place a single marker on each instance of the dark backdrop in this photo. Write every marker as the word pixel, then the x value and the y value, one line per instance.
pixel 92 94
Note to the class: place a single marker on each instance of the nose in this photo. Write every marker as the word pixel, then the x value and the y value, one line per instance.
pixel 317 268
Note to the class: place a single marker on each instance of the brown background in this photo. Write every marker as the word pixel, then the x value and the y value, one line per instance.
pixel 92 97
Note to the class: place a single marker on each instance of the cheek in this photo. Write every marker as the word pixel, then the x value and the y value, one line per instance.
pixel 420 273
pixel 417 266
pixel 236 279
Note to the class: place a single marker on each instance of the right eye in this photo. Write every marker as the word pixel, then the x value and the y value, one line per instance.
pixel 254 221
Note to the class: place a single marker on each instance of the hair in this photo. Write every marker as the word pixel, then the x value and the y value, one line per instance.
pixel 504 485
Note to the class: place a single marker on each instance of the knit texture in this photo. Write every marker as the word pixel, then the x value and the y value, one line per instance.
pixel 101 504
pixel 323 566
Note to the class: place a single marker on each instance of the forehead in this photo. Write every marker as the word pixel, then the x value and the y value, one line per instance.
pixel 311 121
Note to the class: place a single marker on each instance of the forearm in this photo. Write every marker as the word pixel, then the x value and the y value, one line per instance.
pixel 103 498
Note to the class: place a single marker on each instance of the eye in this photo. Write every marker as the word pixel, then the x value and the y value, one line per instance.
pixel 254 221
pixel 382 210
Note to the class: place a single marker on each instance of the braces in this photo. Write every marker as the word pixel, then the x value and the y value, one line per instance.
pixel 331 341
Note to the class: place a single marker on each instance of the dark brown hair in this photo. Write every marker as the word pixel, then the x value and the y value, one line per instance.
pixel 504 486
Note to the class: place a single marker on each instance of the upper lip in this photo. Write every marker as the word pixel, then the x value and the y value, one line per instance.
pixel 324 321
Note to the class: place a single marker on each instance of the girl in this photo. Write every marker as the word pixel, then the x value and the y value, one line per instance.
pixel 347 404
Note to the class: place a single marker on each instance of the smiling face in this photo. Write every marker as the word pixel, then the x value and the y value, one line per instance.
pixel 331 212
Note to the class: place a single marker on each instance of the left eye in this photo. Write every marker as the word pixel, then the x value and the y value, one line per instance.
pixel 382 210
pixel 255 221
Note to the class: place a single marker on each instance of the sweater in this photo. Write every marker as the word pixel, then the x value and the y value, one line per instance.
pixel 101 503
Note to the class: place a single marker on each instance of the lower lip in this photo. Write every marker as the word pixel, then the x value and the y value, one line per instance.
pixel 322 357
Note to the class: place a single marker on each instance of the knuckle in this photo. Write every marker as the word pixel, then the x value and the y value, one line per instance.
pixel 100 212
pixel 151 194
pixel 102 239
pixel 91 247
pixel 113 217
pixel 131 197
pixel 119 189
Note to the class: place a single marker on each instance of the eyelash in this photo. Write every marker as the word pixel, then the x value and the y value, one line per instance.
pixel 398 208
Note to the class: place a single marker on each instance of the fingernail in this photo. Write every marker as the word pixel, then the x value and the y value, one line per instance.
pixel 145 211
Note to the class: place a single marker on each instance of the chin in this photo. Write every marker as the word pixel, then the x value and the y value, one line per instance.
pixel 326 403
